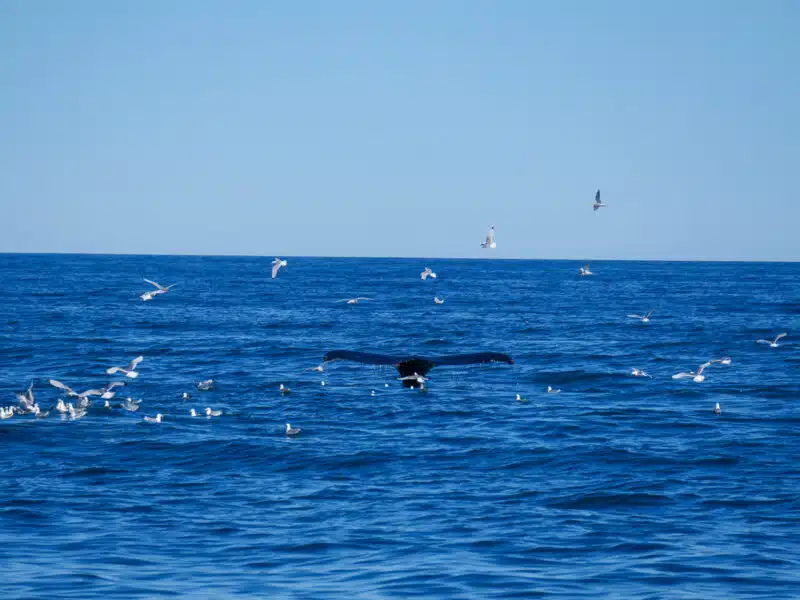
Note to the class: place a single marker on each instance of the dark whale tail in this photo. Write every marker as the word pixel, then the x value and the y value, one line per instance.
pixel 420 365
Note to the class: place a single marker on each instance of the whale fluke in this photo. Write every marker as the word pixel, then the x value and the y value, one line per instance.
pixel 419 365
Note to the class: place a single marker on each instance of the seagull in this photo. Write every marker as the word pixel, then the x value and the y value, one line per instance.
pixel 372 393
pixel 427 273
pixel 521 399
pixel 642 318
pixel 206 386
pixel 292 431
pixel 415 377
pixel 130 405
pixel 160 289
pixel 284 390
pixel 61 407
pixel 27 401
pixel 129 371
pixel 213 413
pixel 438 300
pixel 717 409
pixel 323 383
pixel 108 394
pixel 597 202
pixel 697 376
pixel 585 270
pixel 774 343
pixel 84 396
pixel 75 413
pixel 185 396
pixel 639 373
pixel 6 413
pixel 193 413
pixel 107 405
pixel 156 419
pixel 353 300
pixel 318 368
pixel 489 243
pixel 276 266
pixel 552 391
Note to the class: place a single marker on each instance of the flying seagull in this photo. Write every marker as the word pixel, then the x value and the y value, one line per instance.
pixel 129 371
pixel 353 300
pixel 160 289
pixel 427 273
pixel 697 376
pixel 774 343
pixel 489 243
pixel 642 318
pixel 276 266
pixel 415 366
pixel 597 202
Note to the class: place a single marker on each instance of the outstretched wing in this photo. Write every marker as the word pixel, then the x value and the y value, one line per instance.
pixel 597 197
pixel 366 358
pixel 782 335
pixel 472 359
pixel 133 364
pixel 59 385
pixel 635 317
pixel 276 266
pixel 154 283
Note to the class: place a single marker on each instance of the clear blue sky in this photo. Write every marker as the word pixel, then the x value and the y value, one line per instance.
pixel 405 128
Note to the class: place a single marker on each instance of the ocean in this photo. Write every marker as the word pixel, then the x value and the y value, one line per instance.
pixel 616 487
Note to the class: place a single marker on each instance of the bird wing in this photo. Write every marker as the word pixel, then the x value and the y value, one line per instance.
pixel 763 342
pixel 702 367
pixel 490 236
pixel 159 286
pixel 363 298
pixel 134 363
pixel 647 316
pixel 782 335
pixel 597 197
pixel 276 265
pixel 682 375
pixel 61 386
pixel 635 317
pixel 114 384
pixel 91 393
pixel 23 400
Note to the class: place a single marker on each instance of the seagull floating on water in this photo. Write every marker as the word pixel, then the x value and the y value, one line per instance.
pixel 585 270
pixel 773 343
pixel 438 300
pixel 642 318
pixel 550 390
pixel 353 300
pixel 521 399
pixel 717 409
pixel 276 266
pixel 185 396
pixel 193 413
pixel 598 203
pixel 206 386
pixel 639 373
pixel 160 289
pixel 156 419
pixel 284 390
pixel 427 273
pixel 489 243
pixel 129 370
pixel 292 431
pixel 75 413
pixel 213 413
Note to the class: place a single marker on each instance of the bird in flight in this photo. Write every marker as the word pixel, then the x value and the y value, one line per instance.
pixel 598 203
pixel 353 300
pixel 427 273
pixel 276 266
pixel 642 318
pixel 160 289
pixel 489 243
pixel 773 343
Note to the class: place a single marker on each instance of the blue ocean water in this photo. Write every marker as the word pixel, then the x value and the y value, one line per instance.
pixel 618 487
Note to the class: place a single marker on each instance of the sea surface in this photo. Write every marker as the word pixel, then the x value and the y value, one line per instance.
pixel 617 487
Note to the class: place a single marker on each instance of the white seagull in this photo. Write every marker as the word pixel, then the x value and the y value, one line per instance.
pixel 276 266
pixel 292 431
pixel 213 413
pixel 129 371
pixel 160 289
pixel 353 300
pixel 552 391
pixel 206 386
pixel 639 373
pixel 521 399
pixel 717 409
pixel 130 405
pixel 697 376
pixel 585 270
pixel 284 390
pixel 415 377
pixel 489 243
pixel 438 300
pixel 27 401
pixel 773 343
pixel 156 419
pixel 193 413
pixel 61 407
pixel 75 413
pixel 185 396
pixel 597 202
pixel 427 273
pixel 642 318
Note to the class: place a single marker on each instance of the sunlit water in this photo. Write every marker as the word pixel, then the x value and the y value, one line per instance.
pixel 617 487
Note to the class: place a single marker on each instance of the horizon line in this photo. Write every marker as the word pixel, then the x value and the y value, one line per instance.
pixel 293 256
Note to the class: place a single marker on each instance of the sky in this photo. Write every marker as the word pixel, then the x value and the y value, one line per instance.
pixel 405 128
